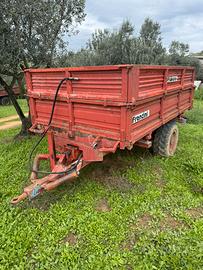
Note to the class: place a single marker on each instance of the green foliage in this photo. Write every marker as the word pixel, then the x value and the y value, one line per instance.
pixel 153 219
pixel 199 93
pixel 179 55
pixel 105 47
pixel 151 50
pixel 111 47
pixel 120 46
pixel 178 49
pixel 32 30
pixel 195 115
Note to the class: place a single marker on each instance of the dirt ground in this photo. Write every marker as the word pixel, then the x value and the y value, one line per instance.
pixel 9 122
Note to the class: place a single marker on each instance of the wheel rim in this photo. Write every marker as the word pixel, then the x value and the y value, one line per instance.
pixel 173 142
pixel 5 101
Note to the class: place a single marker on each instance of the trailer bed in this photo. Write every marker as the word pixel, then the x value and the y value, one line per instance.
pixel 15 89
pixel 120 103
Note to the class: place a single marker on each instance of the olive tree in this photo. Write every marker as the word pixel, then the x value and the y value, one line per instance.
pixel 31 33
pixel 121 46
pixel 111 47
pixel 150 49
pixel 179 54
pixel 105 47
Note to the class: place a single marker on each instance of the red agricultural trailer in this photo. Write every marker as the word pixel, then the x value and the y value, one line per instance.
pixel 88 112
pixel 4 99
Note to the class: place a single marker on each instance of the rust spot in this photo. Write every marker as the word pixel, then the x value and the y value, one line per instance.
pixel 103 206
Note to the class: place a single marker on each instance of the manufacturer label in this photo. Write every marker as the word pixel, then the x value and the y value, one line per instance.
pixel 172 79
pixel 141 116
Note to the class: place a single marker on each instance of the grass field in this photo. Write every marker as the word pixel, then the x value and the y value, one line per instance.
pixel 133 211
pixel 10 110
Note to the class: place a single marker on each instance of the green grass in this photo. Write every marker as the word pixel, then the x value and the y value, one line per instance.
pixel 10 110
pixel 151 216
pixel 195 116
pixel 199 93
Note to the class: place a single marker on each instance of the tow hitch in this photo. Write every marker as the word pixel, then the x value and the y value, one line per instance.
pixel 60 174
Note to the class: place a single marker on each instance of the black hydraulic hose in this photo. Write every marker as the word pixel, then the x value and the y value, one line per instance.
pixel 45 132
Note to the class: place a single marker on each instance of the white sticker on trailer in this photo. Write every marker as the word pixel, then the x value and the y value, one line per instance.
pixel 141 116
pixel 172 79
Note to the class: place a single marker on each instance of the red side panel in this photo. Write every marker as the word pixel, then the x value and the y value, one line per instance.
pixel 96 83
pixel 43 110
pixel 97 119
pixel 88 105
pixel 150 82
pixel 93 84
pixel 163 94
pixel 155 81
pixel 111 104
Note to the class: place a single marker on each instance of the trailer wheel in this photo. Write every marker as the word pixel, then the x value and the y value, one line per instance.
pixel 5 101
pixel 166 139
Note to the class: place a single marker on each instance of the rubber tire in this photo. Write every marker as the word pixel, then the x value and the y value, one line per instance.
pixel 5 101
pixel 163 138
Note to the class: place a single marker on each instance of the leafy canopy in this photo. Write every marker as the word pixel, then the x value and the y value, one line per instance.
pixel 122 46
pixel 32 31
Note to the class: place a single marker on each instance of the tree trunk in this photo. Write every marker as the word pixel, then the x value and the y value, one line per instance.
pixel 26 123
pixel 21 87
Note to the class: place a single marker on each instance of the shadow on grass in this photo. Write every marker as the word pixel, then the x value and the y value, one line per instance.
pixel 110 174
pixel 45 200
